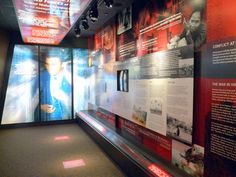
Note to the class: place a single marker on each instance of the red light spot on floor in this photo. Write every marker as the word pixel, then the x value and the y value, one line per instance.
pixel 60 138
pixel 157 171
pixel 73 163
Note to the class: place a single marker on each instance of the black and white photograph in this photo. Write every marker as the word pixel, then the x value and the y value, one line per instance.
pixel 186 68
pixel 156 107
pixel 179 129
pixel 122 80
pixel 124 20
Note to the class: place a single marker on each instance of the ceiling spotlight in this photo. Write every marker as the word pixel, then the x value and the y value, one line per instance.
pixel 108 3
pixel 93 14
pixel 84 23
pixel 77 31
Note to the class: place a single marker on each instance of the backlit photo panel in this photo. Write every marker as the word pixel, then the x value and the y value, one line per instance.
pixel 82 76
pixel 55 84
pixel 21 101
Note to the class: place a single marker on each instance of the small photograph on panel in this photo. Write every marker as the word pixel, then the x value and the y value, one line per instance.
pixel 108 44
pixel 156 107
pixel 119 80
pixel 139 115
pixel 179 129
pixel 188 158
pixel 124 20
pixel 192 34
pixel 186 68
pixel 122 80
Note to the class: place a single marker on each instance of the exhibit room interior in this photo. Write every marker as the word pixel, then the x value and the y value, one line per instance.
pixel 112 88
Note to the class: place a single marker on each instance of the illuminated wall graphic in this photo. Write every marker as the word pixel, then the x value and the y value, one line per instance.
pixel 83 80
pixel 47 21
pixel 55 83
pixel 22 93
pixel 46 95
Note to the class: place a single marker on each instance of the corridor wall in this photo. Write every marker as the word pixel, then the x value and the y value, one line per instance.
pixel 179 61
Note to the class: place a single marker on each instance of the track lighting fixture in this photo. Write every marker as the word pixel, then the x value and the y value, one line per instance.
pixel 84 23
pixel 108 3
pixel 93 13
pixel 77 31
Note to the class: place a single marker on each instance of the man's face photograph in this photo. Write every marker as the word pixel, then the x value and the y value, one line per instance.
pixel 195 21
pixel 53 65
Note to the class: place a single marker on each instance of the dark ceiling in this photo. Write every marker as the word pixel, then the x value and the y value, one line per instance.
pixel 8 20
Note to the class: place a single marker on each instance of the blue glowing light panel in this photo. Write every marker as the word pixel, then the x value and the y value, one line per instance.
pixel 22 96
pixel 55 84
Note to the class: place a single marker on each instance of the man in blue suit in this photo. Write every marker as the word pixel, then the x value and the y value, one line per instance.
pixel 55 91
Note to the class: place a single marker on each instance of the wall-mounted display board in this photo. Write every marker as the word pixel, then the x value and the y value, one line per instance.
pixel 159 99
pixel 219 80
pixel 160 93
pixel 159 44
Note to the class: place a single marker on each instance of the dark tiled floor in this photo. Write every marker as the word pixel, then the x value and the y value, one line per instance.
pixel 33 152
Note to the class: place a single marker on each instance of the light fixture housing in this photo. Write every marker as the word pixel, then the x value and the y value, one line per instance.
pixel 77 31
pixel 93 13
pixel 84 23
pixel 109 3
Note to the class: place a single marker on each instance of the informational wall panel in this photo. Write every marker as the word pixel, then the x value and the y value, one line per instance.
pixel 160 93
pixel 152 83
pixel 218 72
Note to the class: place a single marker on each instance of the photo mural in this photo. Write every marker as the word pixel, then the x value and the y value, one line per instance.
pixel 55 83
pixel 40 84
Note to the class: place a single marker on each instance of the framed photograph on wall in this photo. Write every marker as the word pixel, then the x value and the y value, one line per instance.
pixel 124 20
pixel 122 80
